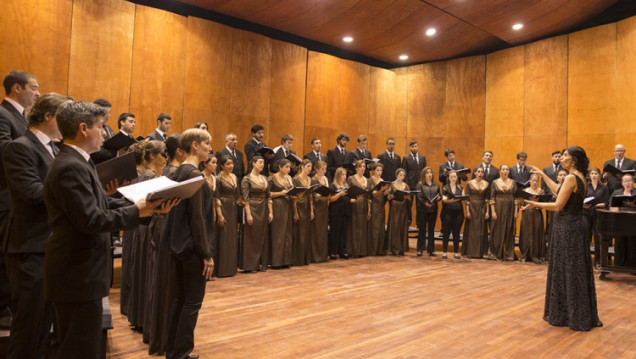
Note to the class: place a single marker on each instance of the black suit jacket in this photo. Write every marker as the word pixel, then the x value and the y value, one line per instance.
pixel 413 169
pixel 390 165
pixel 522 176
pixel 239 165
pixel 613 182
pixel 250 151
pixel 336 159
pixel 26 161
pixel 280 154
pixel 443 174
pixel 12 126
pixel 156 136
pixel 492 175
pixel 358 155
pixel 77 265
pixel 550 172
pixel 313 158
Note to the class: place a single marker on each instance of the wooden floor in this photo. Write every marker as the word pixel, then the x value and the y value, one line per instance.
pixel 395 307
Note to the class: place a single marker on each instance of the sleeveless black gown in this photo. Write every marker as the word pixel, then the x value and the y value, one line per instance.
pixel 570 298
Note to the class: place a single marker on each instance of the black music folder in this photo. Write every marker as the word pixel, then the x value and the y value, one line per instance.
pixel 162 188
pixel 451 195
pixel 531 197
pixel 122 168
pixel 298 190
pixel 265 151
pixel 616 172
pixel 621 201
pixel 381 184
pixel 118 142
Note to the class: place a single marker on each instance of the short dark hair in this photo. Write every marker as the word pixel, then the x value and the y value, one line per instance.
pixel 313 140
pixel 172 145
pixel 389 139
pixel 556 152
pixel 286 137
pixel 257 128
pixel 522 155
pixel 412 143
pixel 489 151
pixel 123 118
pixel 362 138
pixel 103 102
pixel 343 136
pixel 163 116
pixel 200 124
pixel 15 77
pixel 48 103
pixel 71 114
pixel 223 160
pixel 448 151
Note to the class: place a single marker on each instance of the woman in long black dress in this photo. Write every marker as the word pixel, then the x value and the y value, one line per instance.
pixel 475 241
pixel 257 204
pixel 339 213
pixel 208 169
pixel 377 232
pixel 281 229
pixel 227 194
pixel 601 195
pixel 319 236
pixel 426 202
pixel 303 215
pixel 398 217
pixel 625 247
pixel 503 211
pixel 570 298
pixel 532 244
pixel 360 213
pixel 453 214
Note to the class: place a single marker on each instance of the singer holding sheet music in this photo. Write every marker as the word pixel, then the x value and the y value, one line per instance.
pixel 282 226
pixel 377 235
pixel 227 194
pixel 319 234
pixel 303 215
pixel 360 213
pixel 339 215
pixel 453 213
pixel 503 213
pixel 625 247
pixel 426 203
pixel 257 203
pixel 475 241
pixel 532 245
pixel 599 195
pixel 398 227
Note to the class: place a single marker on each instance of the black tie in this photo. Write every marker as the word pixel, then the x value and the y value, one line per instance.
pixel 487 169
pixel 417 160
pixel 165 137
pixel 24 114
pixel 391 155
pixel 234 153
pixel 54 148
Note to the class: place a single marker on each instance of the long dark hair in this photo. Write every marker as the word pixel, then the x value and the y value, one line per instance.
pixel 579 158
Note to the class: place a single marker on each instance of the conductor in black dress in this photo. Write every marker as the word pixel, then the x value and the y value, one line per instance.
pixel 390 160
pixel 252 146
pixel 520 171
pixel 81 216
pixel 26 162
pixel 339 156
pixel 491 172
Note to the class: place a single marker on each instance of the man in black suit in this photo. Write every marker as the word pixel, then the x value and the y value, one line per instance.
pixel 339 156
pixel 284 152
pixel 450 164
pixel 126 124
pixel 163 126
pixel 315 155
pixel 413 163
pixel 236 155
pixel 81 216
pixel 622 163
pixel 252 146
pixel 26 161
pixel 21 90
pixel 553 170
pixel 491 172
pixel 361 152
pixel 520 172
pixel 390 160
pixel 104 154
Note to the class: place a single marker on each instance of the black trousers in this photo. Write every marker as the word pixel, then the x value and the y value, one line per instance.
pixel 453 220
pixel 338 235
pixel 79 329
pixel 5 289
pixel 32 314
pixel 189 285
pixel 426 225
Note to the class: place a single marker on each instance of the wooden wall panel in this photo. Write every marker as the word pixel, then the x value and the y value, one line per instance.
pixel 353 107
pixel 101 53
pixel 545 99
pixel 36 38
pixel 287 103
pixel 208 78
pixel 426 106
pixel 250 85
pixel 398 128
pixel 158 68
pixel 465 110
pixel 323 98
pixel 592 91
pixel 504 104
pixel 626 86
pixel 381 108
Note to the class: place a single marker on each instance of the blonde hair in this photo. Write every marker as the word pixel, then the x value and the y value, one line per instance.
pixel 193 135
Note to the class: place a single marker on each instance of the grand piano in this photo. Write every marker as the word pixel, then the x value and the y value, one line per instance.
pixel 609 225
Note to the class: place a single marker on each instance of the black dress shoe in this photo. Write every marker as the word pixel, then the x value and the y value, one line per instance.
pixel 344 256
pixel 401 253
pixel 432 254
pixel 194 356
pixel 333 257
pixel 419 254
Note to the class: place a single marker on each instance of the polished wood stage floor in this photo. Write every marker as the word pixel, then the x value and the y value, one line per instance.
pixel 395 307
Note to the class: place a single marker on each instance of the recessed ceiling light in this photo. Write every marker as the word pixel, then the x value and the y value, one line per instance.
pixel 517 27
pixel 430 32
pixel 347 39
pixel 404 57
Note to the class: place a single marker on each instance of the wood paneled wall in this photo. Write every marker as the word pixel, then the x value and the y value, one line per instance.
pixel 570 89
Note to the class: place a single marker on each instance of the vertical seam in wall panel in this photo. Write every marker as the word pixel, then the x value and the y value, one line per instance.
pixel 305 100
pixel 523 107
pixel 485 99
pixel 229 105
pixel 70 48
pixel 185 67
pixel 567 89
pixel 132 58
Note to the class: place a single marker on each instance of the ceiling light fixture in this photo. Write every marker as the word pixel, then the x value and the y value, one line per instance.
pixel 517 27
pixel 404 57
pixel 430 32
pixel 347 39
